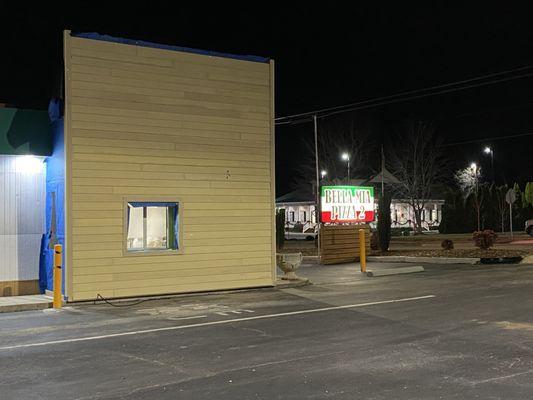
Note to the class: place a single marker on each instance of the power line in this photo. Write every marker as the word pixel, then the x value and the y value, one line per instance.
pixel 485 111
pixel 407 95
pixel 492 139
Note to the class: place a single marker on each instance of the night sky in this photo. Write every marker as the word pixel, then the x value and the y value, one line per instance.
pixel 324 57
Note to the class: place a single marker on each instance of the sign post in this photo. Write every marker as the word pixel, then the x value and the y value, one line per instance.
pixel 510 198
pixel 362 250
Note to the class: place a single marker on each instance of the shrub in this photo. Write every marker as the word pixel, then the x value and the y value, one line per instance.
pixel 484 239
pixel 280 229
pixel 447 244
pixel 384 222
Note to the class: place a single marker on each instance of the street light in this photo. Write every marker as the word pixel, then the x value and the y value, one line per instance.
pixel 488 150
pixel 323 173
pixel 346 157
pixel 475 172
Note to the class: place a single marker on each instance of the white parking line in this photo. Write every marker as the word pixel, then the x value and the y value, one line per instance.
pixel 193 317
pixel 226 321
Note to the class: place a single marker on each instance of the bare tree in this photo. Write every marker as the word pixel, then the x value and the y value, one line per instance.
pixel 468 181
pixel 333 140
pixel 501 191
pixel 417 160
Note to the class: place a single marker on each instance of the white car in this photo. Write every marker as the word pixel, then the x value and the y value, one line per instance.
pixel 300 235
pixel 529 227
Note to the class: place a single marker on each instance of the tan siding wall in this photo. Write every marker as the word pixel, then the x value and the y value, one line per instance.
pixel 158 123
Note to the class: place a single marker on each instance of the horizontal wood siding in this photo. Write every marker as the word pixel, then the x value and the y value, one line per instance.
pixel 340 243
pixel 157 123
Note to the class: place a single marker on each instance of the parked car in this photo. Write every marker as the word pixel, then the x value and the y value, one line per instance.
pixel 529 227
pixel 300 235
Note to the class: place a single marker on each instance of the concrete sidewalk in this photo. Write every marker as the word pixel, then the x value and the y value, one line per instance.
pixel 25 303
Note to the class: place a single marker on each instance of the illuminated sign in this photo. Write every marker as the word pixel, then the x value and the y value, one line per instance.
pixel 347 204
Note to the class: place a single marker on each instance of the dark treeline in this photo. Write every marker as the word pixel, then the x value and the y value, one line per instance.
pixel 459 213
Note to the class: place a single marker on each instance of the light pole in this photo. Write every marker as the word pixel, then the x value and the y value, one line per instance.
pixel 473 167
pixel 488 150
pixel 475 171
pixel 346 157
pixel 323 173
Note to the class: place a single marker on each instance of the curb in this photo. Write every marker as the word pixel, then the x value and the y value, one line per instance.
pixel 285 284
pixel 426 260
pixel 396 271
pixel 25 307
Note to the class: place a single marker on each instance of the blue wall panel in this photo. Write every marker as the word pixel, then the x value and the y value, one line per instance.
pixel 55 200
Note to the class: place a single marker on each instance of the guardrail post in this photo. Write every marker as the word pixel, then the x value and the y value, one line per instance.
pixel 58 260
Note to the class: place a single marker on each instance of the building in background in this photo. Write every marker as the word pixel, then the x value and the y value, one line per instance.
pixel 300 206
pixel 25 143
pixel 300 209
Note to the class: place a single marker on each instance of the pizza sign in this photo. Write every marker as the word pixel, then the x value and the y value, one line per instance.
pixel 347 204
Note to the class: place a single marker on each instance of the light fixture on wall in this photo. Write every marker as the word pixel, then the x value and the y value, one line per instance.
pixel 29 164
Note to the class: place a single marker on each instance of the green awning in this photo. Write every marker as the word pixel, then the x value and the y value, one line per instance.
pixel 25 132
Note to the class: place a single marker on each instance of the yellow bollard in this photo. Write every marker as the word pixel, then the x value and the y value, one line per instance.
pixel 362 250
pixel 58 260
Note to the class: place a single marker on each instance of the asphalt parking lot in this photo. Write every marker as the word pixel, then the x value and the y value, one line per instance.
pixel 452 332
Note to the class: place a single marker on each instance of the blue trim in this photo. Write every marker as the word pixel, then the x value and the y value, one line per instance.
pixel 176 244
pixel 107 38
pixel 152 204
pixel 55 196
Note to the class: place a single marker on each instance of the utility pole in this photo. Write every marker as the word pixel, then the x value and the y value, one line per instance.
pixel 490 150
pixel 317 184
pixel 348 171
pixel 382 172
pixel 492 165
